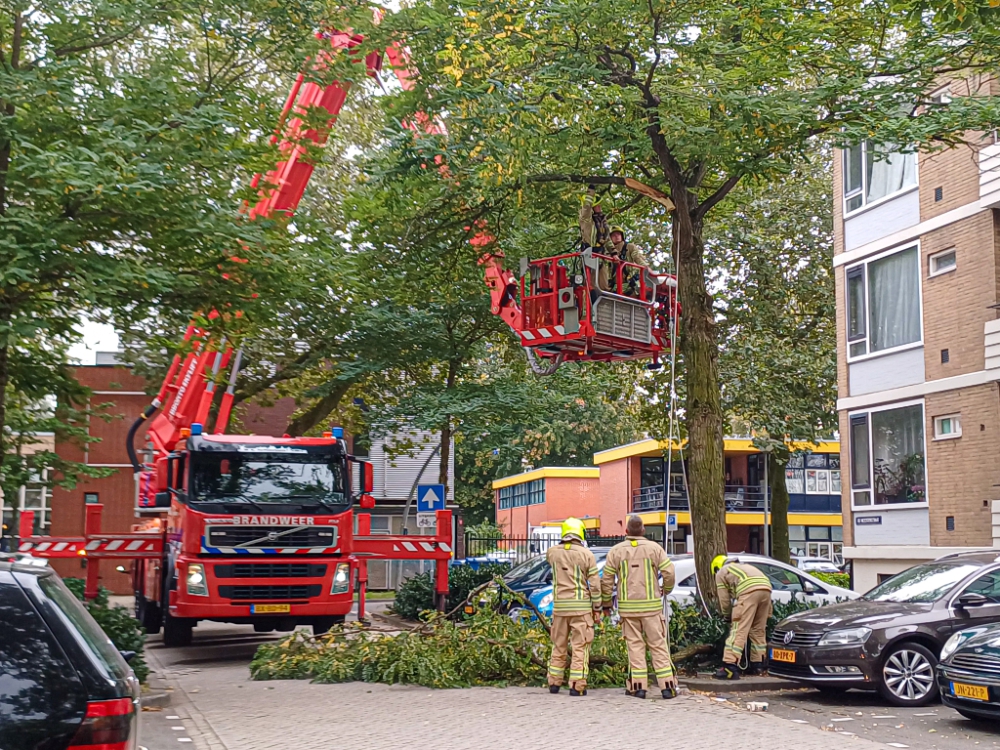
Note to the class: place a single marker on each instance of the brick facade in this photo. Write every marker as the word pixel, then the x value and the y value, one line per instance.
pixel 962 473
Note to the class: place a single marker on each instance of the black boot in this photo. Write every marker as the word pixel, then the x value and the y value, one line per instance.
pixel 637 694
pixel 757 668
pixel 669 692
pixel 554 689
pixel 576 693
pixel 727 672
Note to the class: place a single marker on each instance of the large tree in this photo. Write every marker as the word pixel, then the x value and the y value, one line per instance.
pixel 772 255
pixel 694 98
pixel 124 128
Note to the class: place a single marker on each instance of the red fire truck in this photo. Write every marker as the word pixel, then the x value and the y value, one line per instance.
pixel 248 529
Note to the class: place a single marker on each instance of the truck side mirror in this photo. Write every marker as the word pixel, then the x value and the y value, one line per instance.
pixel 162 500
pixel 367 477
pixel 367 502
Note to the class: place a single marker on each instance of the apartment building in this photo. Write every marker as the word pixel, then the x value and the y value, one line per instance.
pixel 917 243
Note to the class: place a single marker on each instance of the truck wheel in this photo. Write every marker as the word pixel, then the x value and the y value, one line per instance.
pixel 177 631
pixel 148 614
pixel 323 624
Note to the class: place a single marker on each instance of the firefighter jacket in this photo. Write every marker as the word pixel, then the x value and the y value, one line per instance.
pixel 576 586
pixel 736 579
pixel 638 565
pixel 594 236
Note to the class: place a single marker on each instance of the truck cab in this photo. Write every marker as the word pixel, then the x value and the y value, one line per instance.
pixel 258 531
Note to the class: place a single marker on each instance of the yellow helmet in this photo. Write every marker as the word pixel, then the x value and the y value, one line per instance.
pixel 717 562
pixel 573 527
pixel 617 228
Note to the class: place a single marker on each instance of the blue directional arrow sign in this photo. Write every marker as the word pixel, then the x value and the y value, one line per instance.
pixel 430 497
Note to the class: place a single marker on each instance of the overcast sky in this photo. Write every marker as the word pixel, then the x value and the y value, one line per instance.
pixel 96 338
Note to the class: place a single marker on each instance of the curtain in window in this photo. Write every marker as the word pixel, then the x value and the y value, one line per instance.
pixel 898 452
pixel 891 174
pixel 894 297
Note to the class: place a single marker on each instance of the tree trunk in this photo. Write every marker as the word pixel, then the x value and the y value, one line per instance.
pixel 779 508
pixel 700 350
pixel 8 494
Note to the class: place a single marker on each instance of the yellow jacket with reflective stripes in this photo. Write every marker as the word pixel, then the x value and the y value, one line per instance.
pixel 638 565
pixel 576 586
pixel 738 578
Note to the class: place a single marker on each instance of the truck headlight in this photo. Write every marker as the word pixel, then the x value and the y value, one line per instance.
pixel 545 601
pixel 848 637
pixel 341 579
pixel 196 583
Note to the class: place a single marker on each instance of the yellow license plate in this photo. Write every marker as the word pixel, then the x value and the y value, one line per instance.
pixel 270 609
pixel 976 692
pixel 778 654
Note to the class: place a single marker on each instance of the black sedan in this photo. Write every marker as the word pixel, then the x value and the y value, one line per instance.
pixel 891 637
pixel 969 672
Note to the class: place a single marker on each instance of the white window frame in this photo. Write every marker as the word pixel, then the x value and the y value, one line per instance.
pixel 941 95
pixel 932 272
pixel 43 512
pixel 956 420
pixel 871 460
pixel 847 304
pixel 864 179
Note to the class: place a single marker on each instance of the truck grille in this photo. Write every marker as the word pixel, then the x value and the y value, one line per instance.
pixel 270 570
pixel 799 640
pixel 977 662
pixel 235 536
pixel 262 593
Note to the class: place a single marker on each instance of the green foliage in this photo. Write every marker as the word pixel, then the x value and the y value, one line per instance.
pixel 117 622
pixel 834 579
pixel 416 594
pixel 486 649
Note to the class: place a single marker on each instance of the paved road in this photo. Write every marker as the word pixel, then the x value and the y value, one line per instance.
pixel 217 707
pixel 867 715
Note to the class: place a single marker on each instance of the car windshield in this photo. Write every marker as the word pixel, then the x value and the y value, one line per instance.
pixel 537 570
pixel 280 479
pixel 922 584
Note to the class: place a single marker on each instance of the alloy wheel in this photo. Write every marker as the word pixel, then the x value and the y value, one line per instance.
pixel 908 675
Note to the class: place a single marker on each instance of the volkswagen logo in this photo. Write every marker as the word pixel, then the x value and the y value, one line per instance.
pixel 272 536
pixel 789 637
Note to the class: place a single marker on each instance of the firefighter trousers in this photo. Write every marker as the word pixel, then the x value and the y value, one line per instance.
pixel 577 632
pixel 749 621
pixel 642 632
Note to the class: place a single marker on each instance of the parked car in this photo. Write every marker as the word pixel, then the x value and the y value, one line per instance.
pixel 815 565
pixel 786 581
pixel 890 639
pixel 63 684
pixel 969 672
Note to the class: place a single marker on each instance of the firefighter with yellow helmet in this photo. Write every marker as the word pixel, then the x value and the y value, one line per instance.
pixel 576 602
pixel 751 590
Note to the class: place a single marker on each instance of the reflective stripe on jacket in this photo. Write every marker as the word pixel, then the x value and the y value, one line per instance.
pixel 576 585
pixel 738 578
pixel 638 565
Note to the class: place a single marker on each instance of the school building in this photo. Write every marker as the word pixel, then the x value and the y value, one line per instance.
pixel 635 478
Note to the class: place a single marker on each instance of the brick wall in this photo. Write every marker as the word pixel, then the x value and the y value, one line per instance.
pixel 962 472
pixel 956 304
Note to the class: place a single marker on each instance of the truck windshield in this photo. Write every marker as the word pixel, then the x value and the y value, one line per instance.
pixel 305 480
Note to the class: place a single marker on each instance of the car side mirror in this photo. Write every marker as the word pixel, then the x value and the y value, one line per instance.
pixel 811 588
pixel 971 600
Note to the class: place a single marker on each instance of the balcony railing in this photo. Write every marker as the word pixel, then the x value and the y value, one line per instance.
pixel 739 499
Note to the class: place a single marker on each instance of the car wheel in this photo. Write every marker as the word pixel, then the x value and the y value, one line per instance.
pixel 322 625
pixel 907 677
pixel 516 613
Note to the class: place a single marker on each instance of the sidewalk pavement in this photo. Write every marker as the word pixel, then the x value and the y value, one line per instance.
pixel 222 709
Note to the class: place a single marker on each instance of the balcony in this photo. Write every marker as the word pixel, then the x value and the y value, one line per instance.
pixel 739 499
